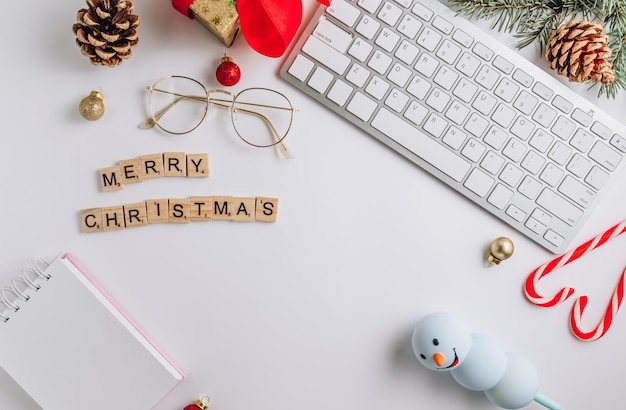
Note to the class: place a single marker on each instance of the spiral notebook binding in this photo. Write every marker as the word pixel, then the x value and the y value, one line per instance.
pixel 21 284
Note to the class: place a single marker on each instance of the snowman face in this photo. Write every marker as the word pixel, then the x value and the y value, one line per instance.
pixel 441 341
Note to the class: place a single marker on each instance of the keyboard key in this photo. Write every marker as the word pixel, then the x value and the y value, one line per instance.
pixel 360 49
pixel 326 55
pixel 369 5
pixel 543 91
pixel 578 166
pixel 525 102
pixel 473 150
pixel 511 175
pixel 407 52
pixel 379 62
pixel 416 112
pixel 605 156
pixel 362 106
pixel 435 125
pixel 577 192
pixel 596 178
pixel 332 35
pixel 581 117
pixel 562 104
pixel 487 77
pixel 448 52
pixel 468 64
pixel 601 130
pixel 530 187
pixel 340 92
pixel 454 137
pixel 387 39
pixel 533 162
pixel 619 143
pixel 422 12
pixel 409 26
pixel 523 78
pixel 457 112
pixel 560 153
pixel 503 116
pixel 551 174
pixel 503 65
pixel 399 75
pixel 500 196
pixel 358 75
pixel 492 163
pixel 390 13
pixel 496 138
pixel 544 115
pixel 426 65
pixel 429 39
pixel 507 89
pixel 476 125
pixel 516 213
pixel 377 87
pixel 563 127
pixel 446 77
pixel 442 25
pixel 582 140
pixel 541 140
pixel 438 100
pixel 421 145
pixel 465 90
pixel 522 128
pixel 535 226
pixel 479 182
pixel 320 80
pixel 344 12
pixel 418 87
pixel 559 207
pixel 514 150
pixel 301 67
pixel 553 237
pixel 368 27
pixel 396 100
pixel 483 51
pixel 462 38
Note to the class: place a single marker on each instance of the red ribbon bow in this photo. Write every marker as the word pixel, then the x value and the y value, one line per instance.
pixel 267 25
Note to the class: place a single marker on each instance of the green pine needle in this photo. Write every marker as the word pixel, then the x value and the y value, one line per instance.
pixel 534 21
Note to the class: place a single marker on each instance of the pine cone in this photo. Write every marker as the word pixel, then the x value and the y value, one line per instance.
pixel 579 50
pixel 106 31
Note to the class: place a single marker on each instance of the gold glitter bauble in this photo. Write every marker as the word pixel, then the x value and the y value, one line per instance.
pixel 92 107
pixel 500 249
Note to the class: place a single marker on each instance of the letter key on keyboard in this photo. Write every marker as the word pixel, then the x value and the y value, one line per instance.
pixel 470 111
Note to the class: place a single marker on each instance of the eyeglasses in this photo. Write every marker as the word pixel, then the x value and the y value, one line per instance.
pixel 261 117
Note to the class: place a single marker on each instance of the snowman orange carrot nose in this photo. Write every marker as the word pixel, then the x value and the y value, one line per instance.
pixel 438 358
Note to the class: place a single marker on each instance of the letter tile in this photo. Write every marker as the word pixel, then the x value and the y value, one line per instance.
pixel 152 166
pixel 158 210
pixel 266 209
pixel 113 218
pixel 179 210
pixel 135 214
pixel 175 164
pixel 130 169
pixel 111 179
pixel 243 209
pixel 201 208
pixel 91 220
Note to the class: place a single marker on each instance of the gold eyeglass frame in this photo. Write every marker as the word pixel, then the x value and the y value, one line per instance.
pixel 208 100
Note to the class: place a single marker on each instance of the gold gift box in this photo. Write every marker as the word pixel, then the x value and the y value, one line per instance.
pixel 219 17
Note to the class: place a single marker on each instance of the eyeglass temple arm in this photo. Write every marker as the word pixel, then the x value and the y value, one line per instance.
pixel 151 122
pixel 284 151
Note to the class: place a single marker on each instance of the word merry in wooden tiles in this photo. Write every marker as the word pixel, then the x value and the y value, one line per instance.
pixel 167 164
pixel 179 210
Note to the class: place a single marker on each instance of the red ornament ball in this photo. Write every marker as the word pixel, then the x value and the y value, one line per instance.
pixel 227 72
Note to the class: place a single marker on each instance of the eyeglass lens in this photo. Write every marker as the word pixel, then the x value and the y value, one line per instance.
pixel 178 104
pixel 261 117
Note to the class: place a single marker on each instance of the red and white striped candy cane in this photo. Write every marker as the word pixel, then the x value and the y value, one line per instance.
pixel 563 294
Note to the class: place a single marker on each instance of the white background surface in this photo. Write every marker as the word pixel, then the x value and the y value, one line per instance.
pixel 314 311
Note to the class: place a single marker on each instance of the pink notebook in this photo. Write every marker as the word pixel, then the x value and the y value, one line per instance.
pixel 70 347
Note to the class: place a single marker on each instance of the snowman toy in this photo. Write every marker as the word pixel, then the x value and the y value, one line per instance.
pixel 442 342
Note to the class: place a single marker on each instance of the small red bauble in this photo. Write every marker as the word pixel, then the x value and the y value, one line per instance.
pixel 201 404
pixel 227 72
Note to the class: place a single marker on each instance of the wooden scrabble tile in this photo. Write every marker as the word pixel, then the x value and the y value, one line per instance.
pixel 222 208
pixel 152 166
pixel 201 208
pixel 157 210
pixel 111 179
pixel 266 209
pixel 113 218
pixel 175 164
pixel 130 170
pixel 243 209
pixel 197 165
pixel 179 210
pixel 135 214
pixel 91 220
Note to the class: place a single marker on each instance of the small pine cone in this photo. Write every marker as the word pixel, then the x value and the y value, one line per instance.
pixel 106 31
pixel 579 50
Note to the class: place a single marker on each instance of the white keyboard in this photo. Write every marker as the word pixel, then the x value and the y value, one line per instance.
pixel 473 113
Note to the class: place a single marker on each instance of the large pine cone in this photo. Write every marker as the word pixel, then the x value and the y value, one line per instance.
pixel 579 50
pixel 106 31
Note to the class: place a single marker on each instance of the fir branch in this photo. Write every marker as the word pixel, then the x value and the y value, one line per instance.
pixel 535 20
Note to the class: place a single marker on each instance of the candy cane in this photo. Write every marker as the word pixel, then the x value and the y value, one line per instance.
pixel 563 294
